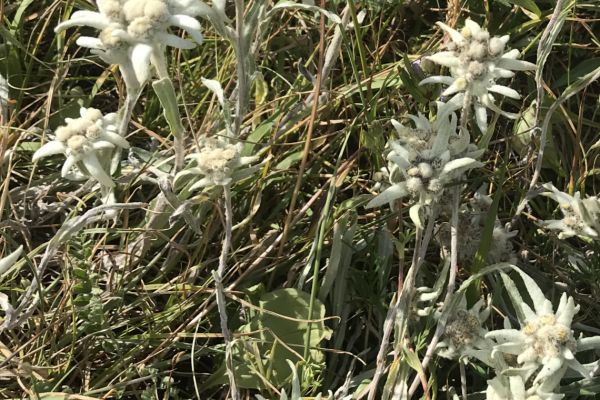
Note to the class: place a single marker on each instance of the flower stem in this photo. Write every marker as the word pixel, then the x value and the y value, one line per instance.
pixel 221 305
pixel 242 74
pixel 441 325
pixel 463 379
pixel 401 306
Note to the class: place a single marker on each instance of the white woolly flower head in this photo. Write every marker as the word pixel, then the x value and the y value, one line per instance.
pixel 80 140
pixel 134 33
pixel 476 60
pixel 580 216
pixel 544 347
pixel 423 159
pixel 464 335
pixel 217 161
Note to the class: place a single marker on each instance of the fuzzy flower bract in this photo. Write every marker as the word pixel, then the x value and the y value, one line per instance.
pixel 580 216
pixel 476 60
pixel 81 140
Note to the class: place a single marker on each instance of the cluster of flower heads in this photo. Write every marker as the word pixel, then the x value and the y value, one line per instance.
pixel 135 33
pixel 540 352
pixel 84 142
pixel 529 362
pixel 471 224
pixel 476 60
pixel 217 161
pixel 581 217
pixel 424 159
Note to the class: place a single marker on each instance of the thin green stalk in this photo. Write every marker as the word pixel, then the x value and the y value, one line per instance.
pixel 242 57
pixel 314 291
pixel 361 53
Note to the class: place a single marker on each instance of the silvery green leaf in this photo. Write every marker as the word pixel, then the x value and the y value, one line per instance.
pixel 535 293
pixel 215 87
pixel 460 165
pixel 389 195
pixel 588 343
pixel 397 125
pixel 524 312
pixel 165 91
pixel 219 6
pixel 3 98
pixel 293 5
pixel 415 215
pixel 9 260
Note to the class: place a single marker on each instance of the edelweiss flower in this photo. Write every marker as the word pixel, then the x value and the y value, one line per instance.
pixel 475 61
pixel 544 346
pixel 465 335
pixel 80 140
pixel 134 33
pixel 471 225
pixel 581 216
pixel 424 159
pixel 217 160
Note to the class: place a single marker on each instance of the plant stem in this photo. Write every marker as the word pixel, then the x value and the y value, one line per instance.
pixel 441 325
pixel 220 291
pixel 401 305
pixel 130 101
pixel 463 379
pixel 242 58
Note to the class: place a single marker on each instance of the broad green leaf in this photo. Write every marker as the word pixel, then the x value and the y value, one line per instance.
pixel 526 4
pixel 276 333
pixel 287 162
pixel 580 70
pixel 165 91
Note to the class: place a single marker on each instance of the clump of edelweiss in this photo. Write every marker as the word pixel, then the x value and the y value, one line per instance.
pixel 581 217
pixel 476 60
pixel 424 159
pixel 464 335
pixel 544 347
pixel 471 225
pixel 135 33
pixel 82 140
pixel 218 162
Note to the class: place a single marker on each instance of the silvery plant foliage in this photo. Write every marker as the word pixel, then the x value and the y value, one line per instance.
pixel 472 219
pixel 135 33
pixel 581 217
pixel 476 60
pixel 86 142
pixel 423 159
